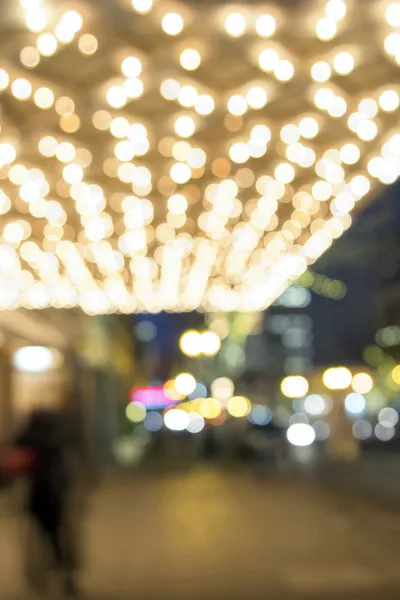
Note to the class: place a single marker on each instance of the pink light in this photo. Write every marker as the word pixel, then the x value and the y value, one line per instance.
pixel 151 397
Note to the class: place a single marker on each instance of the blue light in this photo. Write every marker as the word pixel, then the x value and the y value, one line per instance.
pixel 260 415
pixel 199 392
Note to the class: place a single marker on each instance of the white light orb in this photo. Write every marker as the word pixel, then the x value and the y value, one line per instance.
pixel 190 59
pixel 180 173
pixel 350 154
pixel 256 97
pixel 315 405
pixel 131 66
pixel 268 60
pixel 235 24
pixel 190 343
pixel 237 105
pixel 389 101
pixel 294 386
pixel 47 44
pixel 362 383
pixel 321 71
pixel 300 434
pixel 185 126
pixel 43 98
pixel 284 70
pixel 21 89
pixel 33 359
pixel 176 419
pixel 143 7
pixel 196 423
pixel 326 29
pixel 187 96
pixel 172 24
pixel 116 96
pixel 265 26
pixel 324 98
pixel 204 104
pixel 170 89
pixel 355 403
pixel 344 63
pixel 308 128
pixel 393 14
pixel 285 173
pixel 337 378
pixel 210 343
pixel 185 384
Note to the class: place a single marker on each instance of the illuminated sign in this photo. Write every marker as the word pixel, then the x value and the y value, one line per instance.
pixel 152 397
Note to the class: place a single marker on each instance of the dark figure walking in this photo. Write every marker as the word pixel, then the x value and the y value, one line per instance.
pixel 50 481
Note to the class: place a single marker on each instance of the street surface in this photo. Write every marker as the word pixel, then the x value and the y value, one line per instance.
pixel 210 533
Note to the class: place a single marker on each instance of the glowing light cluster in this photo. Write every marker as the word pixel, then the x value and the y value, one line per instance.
pixel 153 187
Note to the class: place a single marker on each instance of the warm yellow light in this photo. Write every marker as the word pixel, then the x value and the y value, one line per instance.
pixel 46 44
pixel 265 26
pixel 4 79
pixel 210 408
pixel 362 383
pixel 64 106
pixel 88 44
pixel 343 63
pixel 30 57
pixel 136 412
pixel 70 123
pixel 337 378
pixel 101 120
pixel 185 384
pixel 171 392
pixel 172 23
pixel 235 24
pixel 294 386
pixel 396 374
pixel 190 343
pixel 239 406
pixel 222 388
pixel 190 59
pixel 185 126
pixel 210 343
pixel 21 89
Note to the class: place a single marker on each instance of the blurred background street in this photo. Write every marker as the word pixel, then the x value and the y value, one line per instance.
pixel 214 533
